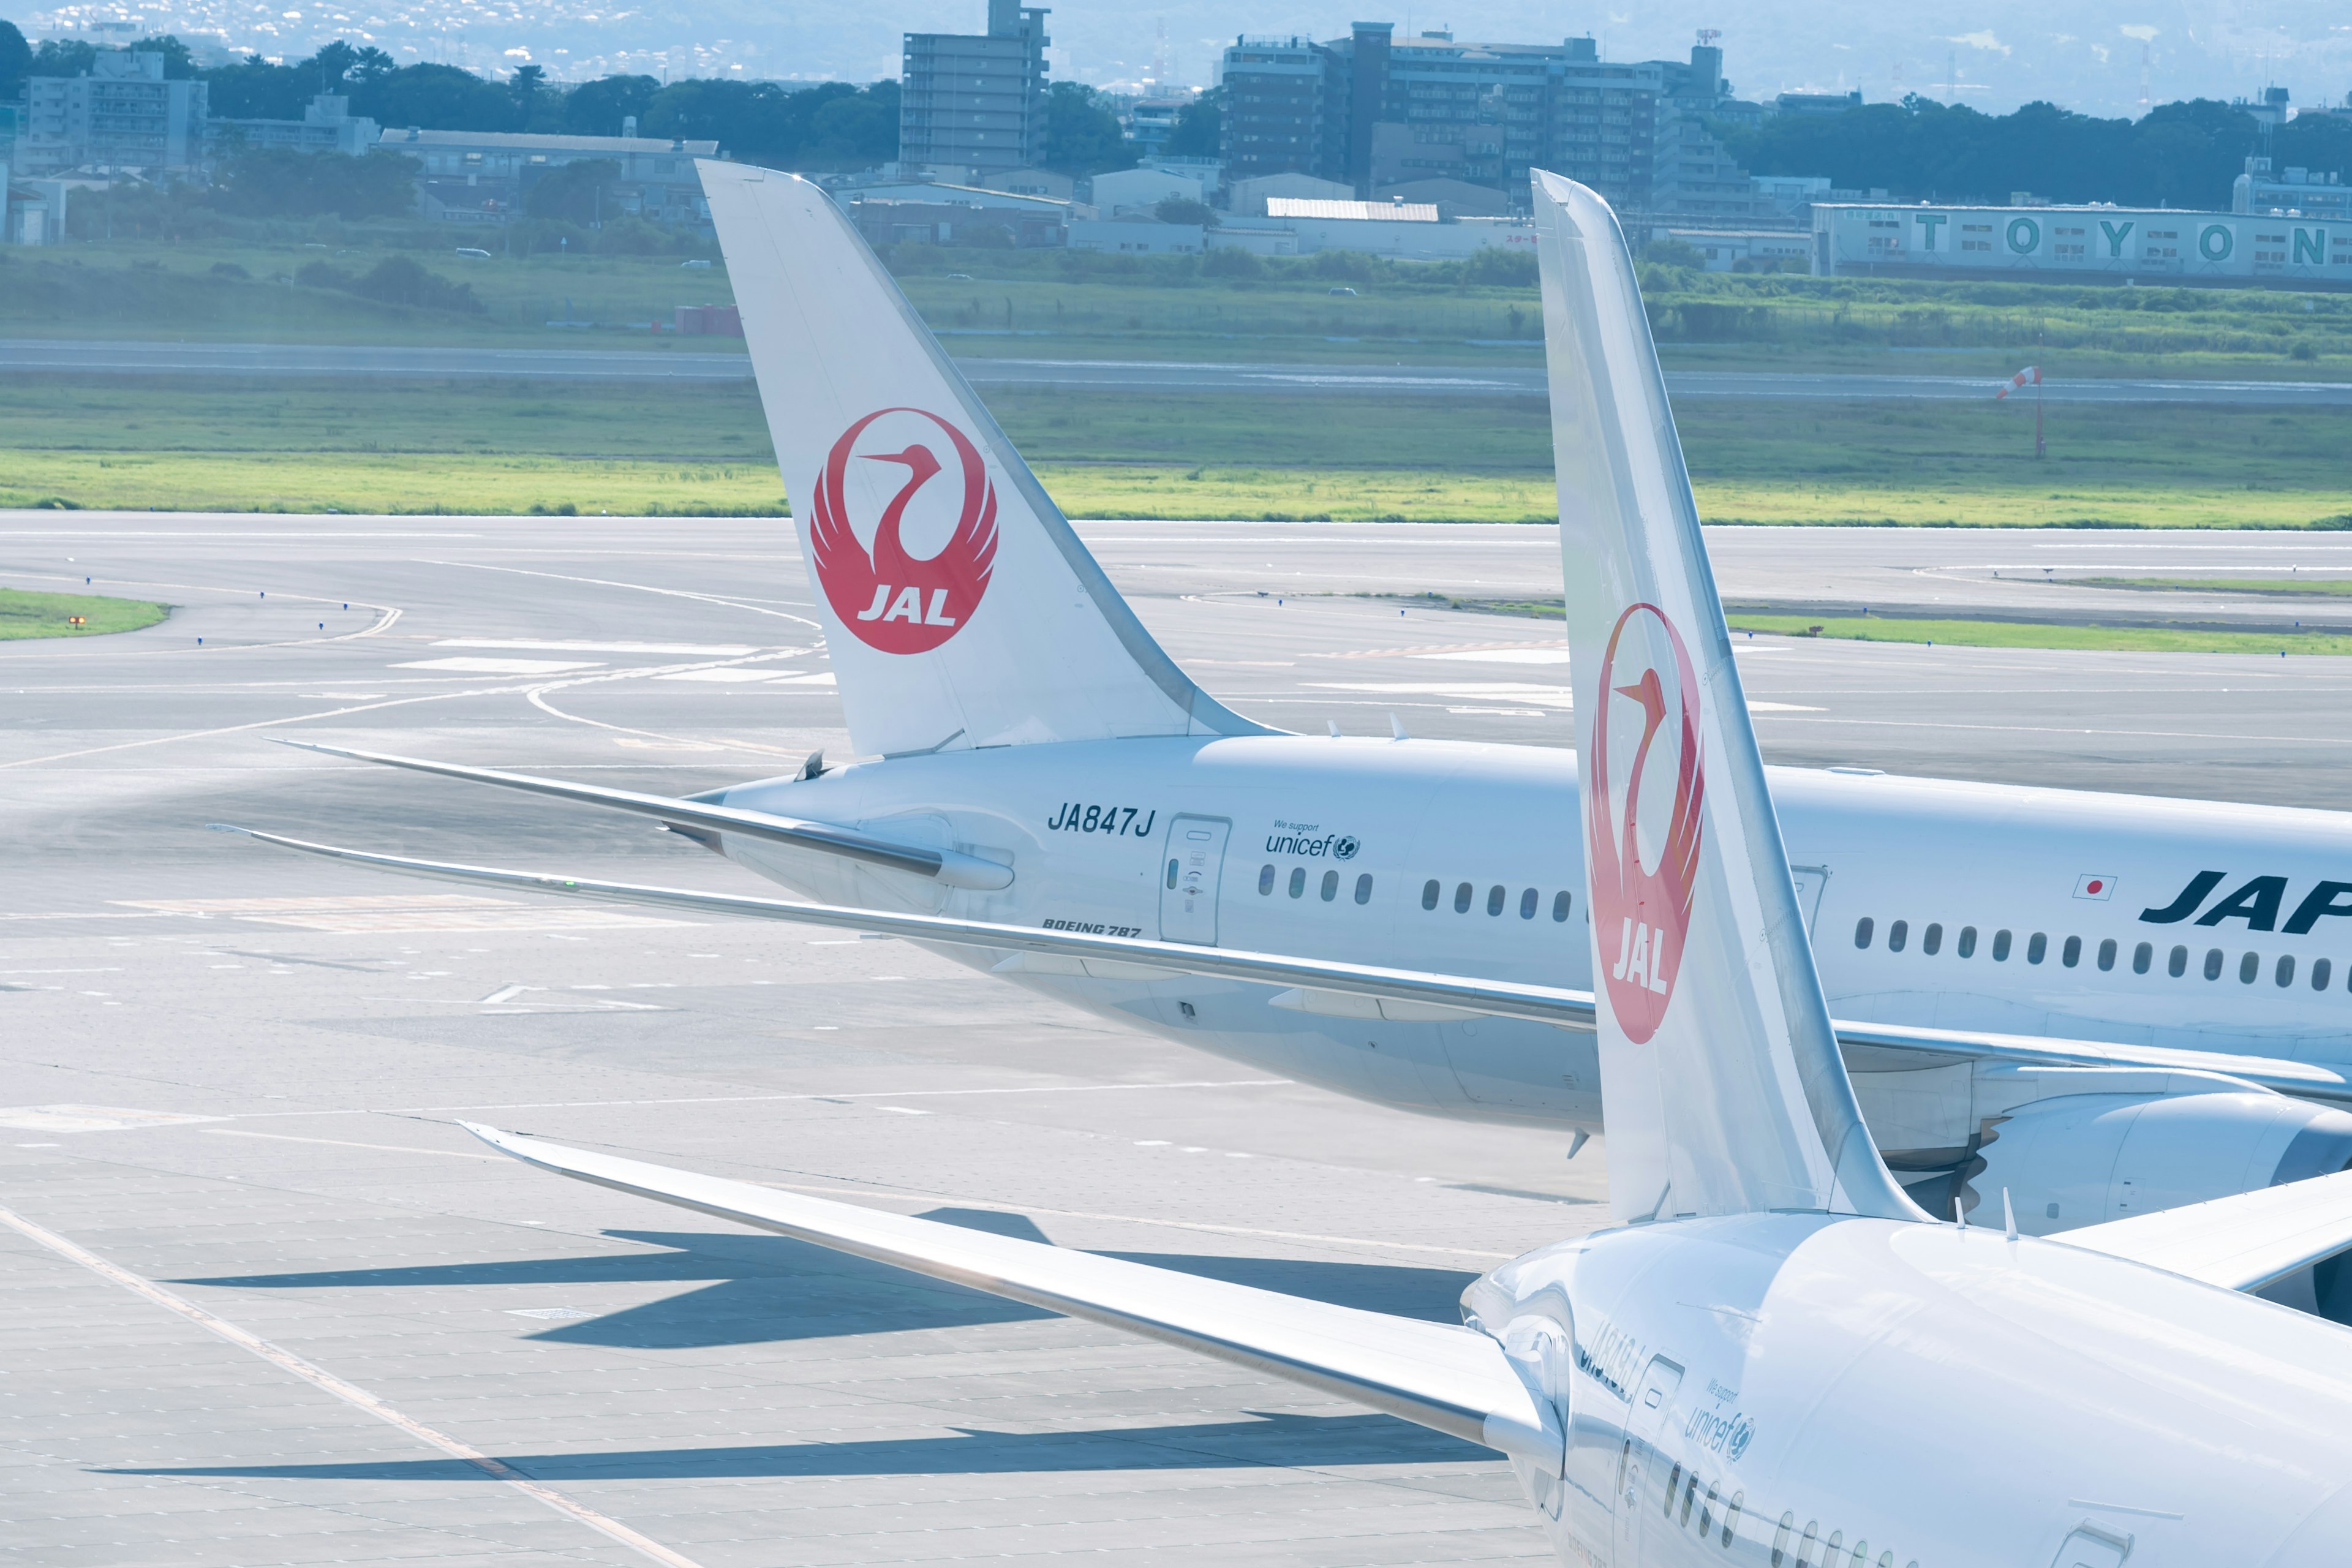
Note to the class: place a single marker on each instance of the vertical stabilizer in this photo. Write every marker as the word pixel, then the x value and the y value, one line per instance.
pixel 961 609
pixel 1721 1082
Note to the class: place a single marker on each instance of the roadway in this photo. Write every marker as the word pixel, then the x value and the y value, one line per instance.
pixel 231 1074
pixel 38 355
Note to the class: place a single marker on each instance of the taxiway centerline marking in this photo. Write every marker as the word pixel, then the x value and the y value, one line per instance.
pixel 350 1394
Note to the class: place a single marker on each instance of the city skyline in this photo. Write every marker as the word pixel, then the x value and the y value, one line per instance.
pixel 2082 56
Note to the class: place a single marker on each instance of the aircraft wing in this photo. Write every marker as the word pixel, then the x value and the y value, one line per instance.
pixel 1330 987
pixel 2241 1243
pixel 957 870
pixel 1455 1380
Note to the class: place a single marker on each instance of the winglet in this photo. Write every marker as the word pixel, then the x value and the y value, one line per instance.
pixel 1720 1077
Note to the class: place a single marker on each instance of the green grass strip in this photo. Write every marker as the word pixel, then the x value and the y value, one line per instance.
pixel 2019 634
pixel 24 614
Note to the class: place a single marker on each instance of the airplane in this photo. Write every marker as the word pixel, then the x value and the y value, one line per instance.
pixel 2101 1004
pixel 1772 1355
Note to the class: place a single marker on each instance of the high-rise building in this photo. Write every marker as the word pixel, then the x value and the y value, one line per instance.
pixel 123 115
pixel 975 103
pixel 1375 110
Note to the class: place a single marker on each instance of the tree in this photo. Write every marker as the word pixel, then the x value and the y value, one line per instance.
pixel 598 108
pixel 1200 129
pixel 442 97
pixel 63 56
pixel 16 60
pixel 255 89
pixel 1184 210
pixel 278 182
pixel 855 130
pixel 1082 135
pixel 578 192
pixel 528 83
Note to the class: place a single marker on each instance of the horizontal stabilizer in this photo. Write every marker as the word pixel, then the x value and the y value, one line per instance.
pixel 948 866
pixel 1453 1379
pixel 2242 1242
pixel 1320 985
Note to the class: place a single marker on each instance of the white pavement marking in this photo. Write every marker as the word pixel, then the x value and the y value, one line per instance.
pixel 464 665
pixel 350 1393
pixel 346 1143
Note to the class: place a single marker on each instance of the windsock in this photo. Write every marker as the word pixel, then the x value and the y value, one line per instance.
pixel 2030 377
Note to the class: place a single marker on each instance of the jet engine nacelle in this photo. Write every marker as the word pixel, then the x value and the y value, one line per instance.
pixel 2083 1159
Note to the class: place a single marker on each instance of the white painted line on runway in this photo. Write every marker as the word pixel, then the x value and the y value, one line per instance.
pixel 346 1143
pixel 772 1099
pixel 502 666
pixel 350 1393
pixel 706 650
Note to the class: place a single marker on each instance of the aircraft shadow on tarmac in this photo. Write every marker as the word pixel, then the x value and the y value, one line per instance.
pixel 1267 1439
pixel 772 1288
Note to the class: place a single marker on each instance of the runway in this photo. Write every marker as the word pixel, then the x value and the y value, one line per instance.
pixel 1520 374
pixel 230 1075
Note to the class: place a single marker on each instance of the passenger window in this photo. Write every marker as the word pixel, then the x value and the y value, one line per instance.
pixel 1171 873
pixel 1690 1496
pixel 2247 967
pixel 2072 953
pixel 1731 1517
pixel 1298 881
pixel 1429 894
pixel 1264 879
pixel 1896 935
pixel 2037 948
pixel 2285 972
pixel 2178 965
pixel 1461 899
pixel 1707 1514
pixel 1862 932
pixel 1559 905
pixel 2142 956
pixel 1931 940
pixel 1673 1485
pixel 2107 953
pixel 2000 947
pixel 1364 891
pixel 1495 900
pixel 1527 905
pixel 1966 946
pixel 1831 1547
pixel 2213 963
pixel 1330 886
pixel 1781 1539
pixel 2319 968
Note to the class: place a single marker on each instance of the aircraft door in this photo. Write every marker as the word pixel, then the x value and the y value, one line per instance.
pixel 1638 1491
pixel 1811 880
pixel 1191 865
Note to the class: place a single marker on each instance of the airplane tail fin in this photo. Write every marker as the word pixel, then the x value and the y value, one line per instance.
pixel 961 609
pixel 1721 1082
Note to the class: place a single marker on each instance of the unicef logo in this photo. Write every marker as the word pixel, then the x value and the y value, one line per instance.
pixel 1345 848
pixel 1741 1434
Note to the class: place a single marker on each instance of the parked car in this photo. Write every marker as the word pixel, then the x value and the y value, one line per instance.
pixel 1343 288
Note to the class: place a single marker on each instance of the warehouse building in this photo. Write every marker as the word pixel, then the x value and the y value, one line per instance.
pixel 2146 245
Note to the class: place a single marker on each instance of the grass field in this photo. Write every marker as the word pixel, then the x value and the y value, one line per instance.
pixel 258 444
pixel 24 614
pixel 2019 634
pixel 2291 587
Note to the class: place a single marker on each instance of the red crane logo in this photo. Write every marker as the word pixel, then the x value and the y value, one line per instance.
pixel 1643 910
pixel 888 599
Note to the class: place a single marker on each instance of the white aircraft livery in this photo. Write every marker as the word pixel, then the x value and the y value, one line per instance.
pixel 1773 1356
pixel 2102 1006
